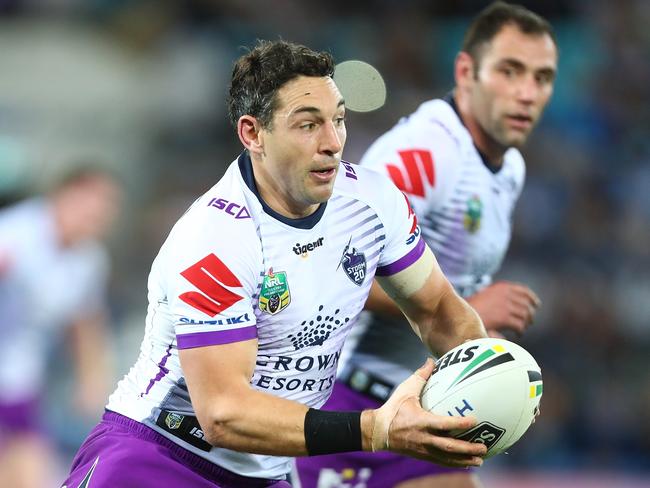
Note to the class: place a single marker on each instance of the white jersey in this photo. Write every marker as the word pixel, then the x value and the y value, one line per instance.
pixel 43 288
pixel 232 269
pixel 464 208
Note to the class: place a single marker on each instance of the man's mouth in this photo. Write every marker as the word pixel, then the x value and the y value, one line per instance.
pixel 324 174
pixel 520 121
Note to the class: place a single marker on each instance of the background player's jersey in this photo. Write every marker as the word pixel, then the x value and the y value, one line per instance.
pixel 464 208
pixel 65 282
pixel 232 269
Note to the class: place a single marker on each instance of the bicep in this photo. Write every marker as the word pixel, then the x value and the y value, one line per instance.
pixel 417 288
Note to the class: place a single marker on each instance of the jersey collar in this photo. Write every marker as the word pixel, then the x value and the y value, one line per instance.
pixel 308 222
pixel 449 98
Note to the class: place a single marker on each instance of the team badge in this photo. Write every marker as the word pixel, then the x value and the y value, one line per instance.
pixel 473 214
pixel 274 295
pixel 173 420
pixel 354 264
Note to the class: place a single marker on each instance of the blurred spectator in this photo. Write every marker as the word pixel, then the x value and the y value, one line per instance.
pixel 53 272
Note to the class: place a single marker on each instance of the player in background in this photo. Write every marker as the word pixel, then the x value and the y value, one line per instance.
pixel 457 160
pixel 53 273
pixel 253 293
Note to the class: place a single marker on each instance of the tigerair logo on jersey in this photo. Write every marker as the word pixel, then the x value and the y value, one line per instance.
pixel 210 276
pixel 303 249
pixel 353 263
pixel 473 214
pixel 274 295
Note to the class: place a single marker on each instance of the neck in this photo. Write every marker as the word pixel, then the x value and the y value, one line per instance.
pixel 275 196
pixel 62 226
pixel 488 147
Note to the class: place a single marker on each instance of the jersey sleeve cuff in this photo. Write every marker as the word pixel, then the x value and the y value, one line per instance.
pixel 215 337
pixel 404 262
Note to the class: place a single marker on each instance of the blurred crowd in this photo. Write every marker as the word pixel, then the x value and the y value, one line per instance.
pixel 140 85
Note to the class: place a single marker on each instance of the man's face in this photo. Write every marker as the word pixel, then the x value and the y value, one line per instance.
pixel 91 208
pixel 513 84
pixel 302 148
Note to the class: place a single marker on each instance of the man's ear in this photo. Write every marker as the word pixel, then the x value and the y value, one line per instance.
pixel 464 70
pixel 248 130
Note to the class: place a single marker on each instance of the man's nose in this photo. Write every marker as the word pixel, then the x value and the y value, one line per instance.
pixel 331 140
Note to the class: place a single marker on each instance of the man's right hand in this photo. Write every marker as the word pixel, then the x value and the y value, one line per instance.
pixel 505 305
pixel 401 425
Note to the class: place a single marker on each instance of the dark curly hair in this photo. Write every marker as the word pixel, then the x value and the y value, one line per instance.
pixel 258 75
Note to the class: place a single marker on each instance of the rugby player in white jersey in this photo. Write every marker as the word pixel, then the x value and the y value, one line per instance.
pixel 253 293
pixel 457 160
pixel 53 276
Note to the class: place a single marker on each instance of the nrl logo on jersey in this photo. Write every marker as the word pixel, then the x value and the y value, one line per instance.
pixel 173 420
pixel 473 214
pixel 274 295
pixel 353 262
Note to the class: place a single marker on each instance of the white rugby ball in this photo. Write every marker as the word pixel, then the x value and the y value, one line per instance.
pixel 494 380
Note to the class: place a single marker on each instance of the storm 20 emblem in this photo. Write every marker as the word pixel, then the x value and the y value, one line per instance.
pixel 354 264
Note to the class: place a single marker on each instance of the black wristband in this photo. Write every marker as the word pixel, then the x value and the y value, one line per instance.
pixel 328 432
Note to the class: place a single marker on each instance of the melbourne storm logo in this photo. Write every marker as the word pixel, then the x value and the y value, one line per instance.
pixel 354 264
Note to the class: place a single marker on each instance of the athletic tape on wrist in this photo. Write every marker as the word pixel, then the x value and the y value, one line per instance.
pixel 328 432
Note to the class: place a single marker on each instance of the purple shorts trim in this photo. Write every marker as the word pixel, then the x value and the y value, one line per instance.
pixel 21 417
pixel 376 470
pixel 120 452
pixel 404 262
pixel 201 339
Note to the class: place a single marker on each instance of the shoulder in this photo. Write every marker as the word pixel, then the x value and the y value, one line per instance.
pixel 433 137
pixel 515 165
pixel 372 188
pixel 361 183
pixel 221 221
pixel 224 207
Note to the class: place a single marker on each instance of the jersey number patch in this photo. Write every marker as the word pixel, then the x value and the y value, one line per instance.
pixel 418 164
pixel 209 275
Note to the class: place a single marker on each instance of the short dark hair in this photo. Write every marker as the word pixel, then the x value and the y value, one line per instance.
pixel 258 75
pixel 489 22
pixel 82 173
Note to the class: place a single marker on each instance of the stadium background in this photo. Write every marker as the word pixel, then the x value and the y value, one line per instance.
pixel 139 85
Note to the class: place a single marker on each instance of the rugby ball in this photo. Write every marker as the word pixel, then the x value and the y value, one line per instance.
pixel 494 380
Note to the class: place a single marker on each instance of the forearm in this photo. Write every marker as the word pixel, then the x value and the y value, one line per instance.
pixel 256 422
pixel 437 314
pixel 272 425
pixel 90 348
pixel 453 322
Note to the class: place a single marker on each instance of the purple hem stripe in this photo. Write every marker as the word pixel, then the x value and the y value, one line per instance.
pixel 403 262
pixel 214 337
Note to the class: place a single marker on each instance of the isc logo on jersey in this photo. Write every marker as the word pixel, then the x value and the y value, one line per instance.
pixel 231 208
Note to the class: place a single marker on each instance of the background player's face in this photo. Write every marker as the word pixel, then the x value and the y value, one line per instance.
pixel 89 209
pixel 303 147
pixel 513 84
